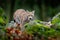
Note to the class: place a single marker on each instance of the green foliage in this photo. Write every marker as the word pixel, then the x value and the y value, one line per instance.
pixel 56 19
pixel 1 20
pixel 36 28
pixel 56 22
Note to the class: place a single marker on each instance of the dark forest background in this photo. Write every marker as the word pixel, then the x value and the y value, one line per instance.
pixel 44 9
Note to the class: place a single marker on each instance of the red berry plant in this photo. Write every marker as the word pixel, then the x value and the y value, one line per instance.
pixel 14 33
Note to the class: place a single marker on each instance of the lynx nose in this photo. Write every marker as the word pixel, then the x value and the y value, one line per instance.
pixel 30 18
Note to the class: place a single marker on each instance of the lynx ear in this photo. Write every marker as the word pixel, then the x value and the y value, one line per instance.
pixel 27 11
pixel 33 11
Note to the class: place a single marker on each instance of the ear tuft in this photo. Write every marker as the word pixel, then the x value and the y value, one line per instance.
pixel 33 11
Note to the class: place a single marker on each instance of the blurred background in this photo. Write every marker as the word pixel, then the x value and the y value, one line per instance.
pixel 44 9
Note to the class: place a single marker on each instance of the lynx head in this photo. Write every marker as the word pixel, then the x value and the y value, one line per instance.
pixel 30 15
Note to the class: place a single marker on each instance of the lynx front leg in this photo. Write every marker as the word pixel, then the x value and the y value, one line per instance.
pixel 22 27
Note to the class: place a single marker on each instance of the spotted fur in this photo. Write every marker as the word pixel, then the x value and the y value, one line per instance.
pixel 21 17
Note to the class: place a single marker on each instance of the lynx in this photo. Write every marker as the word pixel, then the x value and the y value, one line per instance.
pixel 21 17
